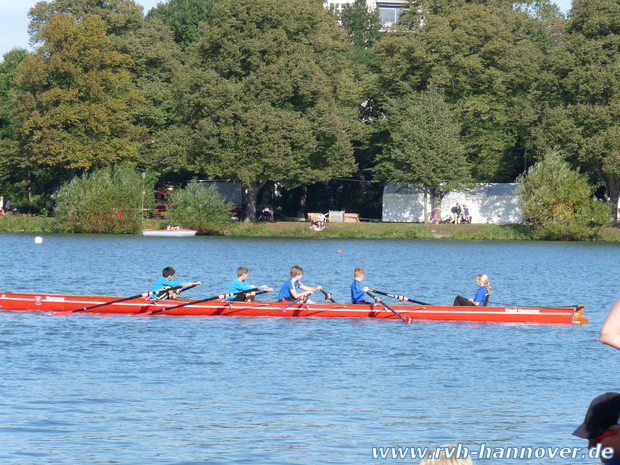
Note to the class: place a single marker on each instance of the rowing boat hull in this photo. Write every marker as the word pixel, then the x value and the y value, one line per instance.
pixel 169 232
pixel 64 303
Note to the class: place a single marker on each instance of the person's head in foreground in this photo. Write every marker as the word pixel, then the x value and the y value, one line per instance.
pixel 447 456
pixel 601 427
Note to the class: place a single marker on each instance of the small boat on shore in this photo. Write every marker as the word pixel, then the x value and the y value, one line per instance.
pixel 142 306
pixel 174 232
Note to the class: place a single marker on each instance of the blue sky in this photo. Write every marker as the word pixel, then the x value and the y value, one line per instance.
pixel 14 21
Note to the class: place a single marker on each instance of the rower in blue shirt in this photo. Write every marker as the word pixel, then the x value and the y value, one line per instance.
pixel 357 290
pixel 240 284
pixel 167 281
pixel 482 294
pixel 293 289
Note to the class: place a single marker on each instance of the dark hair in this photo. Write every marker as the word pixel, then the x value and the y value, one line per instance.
pixel 168 271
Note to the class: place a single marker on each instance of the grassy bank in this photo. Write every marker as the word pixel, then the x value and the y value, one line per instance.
pixel 29 224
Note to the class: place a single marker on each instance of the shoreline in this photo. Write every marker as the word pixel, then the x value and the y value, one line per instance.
pixel 379 230
pixel 357 230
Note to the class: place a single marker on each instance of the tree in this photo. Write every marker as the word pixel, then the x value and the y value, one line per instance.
pixel 424 146
pixel 183 17
pixel 558 201
pixel 8 144
pixel 485 57
pixel 118 16
pixel 72 99
pixel 264 97
pixel 155 57
pixel 581 114
pixel 362 23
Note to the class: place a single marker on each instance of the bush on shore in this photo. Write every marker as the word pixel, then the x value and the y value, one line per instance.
pixel 105 201
pixel 199 208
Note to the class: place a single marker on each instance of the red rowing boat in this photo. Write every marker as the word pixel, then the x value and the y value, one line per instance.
pixel 108 304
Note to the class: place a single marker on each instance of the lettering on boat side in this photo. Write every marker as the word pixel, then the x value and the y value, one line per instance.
pixel 522 310
pixel 54 299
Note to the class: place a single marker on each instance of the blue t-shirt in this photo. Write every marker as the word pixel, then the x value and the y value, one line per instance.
pixel 481 295
pixel 287 287
pixel 161 283
pixel 357 293
pixel 237 286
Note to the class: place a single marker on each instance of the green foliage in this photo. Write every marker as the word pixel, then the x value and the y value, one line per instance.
pixel 485 58
pixel 109 200
pixel 155 57
pixel 424 146
pixel 558 201
pixel 362 23
pixel 265 96
pixel 118 16
pixel 199 208
pixel 27 224
pixel 183 17
pixel 581 94
pixel 72 99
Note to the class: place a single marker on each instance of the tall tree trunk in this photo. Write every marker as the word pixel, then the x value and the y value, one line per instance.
pixel 438 194
pixel 252 193
pixel 302 202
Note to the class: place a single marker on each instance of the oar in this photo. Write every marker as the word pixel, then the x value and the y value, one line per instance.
pixel 406 319
pixel 283 309
pixel 327 296
pixel 144 294
pixel 399 297
pixel 194 302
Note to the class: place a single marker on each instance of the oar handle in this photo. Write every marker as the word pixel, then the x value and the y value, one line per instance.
pixel 186 288
pixel 327 295
pixel 399 297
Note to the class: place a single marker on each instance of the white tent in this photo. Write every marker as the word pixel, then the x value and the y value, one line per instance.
pixel 405 203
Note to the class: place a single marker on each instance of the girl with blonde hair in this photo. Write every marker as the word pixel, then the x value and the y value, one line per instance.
pixel 482 295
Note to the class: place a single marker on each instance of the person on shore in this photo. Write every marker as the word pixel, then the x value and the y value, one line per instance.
pixel 293 289
pixel 601 427
pixel 357 290
pixel 1 205
pixel 610 331
pixel 240 284
pixel 465 216
pixel 483 293
pixel 456 213
pixel 167 281
pixel 447 456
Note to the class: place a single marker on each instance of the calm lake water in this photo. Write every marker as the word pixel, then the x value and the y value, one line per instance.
pixel 86 389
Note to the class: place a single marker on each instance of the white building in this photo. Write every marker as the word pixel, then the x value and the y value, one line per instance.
pixel 389 12
pixel 405 204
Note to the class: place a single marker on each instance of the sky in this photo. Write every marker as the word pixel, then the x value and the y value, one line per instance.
pixel 14 21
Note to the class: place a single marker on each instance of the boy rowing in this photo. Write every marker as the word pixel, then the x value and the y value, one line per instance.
pixel 240 284
pixel 293 289
pixel 167 281
pixel 357 290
